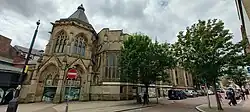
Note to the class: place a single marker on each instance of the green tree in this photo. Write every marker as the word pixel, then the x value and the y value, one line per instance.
pixel 145 62
pixel 236 69
pixel 205 49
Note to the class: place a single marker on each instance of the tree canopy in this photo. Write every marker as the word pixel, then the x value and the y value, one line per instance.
pixel 206 49
pixel 142 61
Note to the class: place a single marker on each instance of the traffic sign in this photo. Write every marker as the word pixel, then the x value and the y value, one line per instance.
pixel 72 73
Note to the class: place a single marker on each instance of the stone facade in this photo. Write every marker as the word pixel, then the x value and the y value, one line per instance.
pixel 75 44
pixel 246 4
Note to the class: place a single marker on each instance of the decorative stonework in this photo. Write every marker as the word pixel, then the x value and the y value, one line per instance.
pixel 75 44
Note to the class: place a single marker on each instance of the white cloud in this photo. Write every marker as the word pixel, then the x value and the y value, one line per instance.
pixel 158 18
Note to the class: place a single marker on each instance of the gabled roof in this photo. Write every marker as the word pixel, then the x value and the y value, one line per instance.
pixel 79 14
pixel 26 50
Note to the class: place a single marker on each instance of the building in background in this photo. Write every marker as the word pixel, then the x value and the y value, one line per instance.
pixel 8 73
pixel 75 44
pixel 11 64
pixel 243 9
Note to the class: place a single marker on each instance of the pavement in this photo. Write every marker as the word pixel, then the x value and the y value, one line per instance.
pixel 186 105
pixel 165 105
pixel 32 107
pixel 242 106
pixel 91 106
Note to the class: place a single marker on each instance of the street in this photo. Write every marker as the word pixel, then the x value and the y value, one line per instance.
pixel 186 105
pixel 165 105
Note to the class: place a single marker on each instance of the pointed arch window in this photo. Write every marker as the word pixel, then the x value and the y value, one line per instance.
pixel 111 68
pixel 79 45
pixel 61 40
pixel 83 49
pixel 57 45
pixel 79 48
pixel 75 46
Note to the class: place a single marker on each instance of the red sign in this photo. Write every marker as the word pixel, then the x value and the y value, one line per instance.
pixel 72 74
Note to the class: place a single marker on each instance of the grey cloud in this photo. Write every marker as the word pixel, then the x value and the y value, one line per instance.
pixel 158 18
pixel 29 8
pixel 130 9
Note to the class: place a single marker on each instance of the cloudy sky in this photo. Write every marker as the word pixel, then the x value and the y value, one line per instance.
pixel 161 19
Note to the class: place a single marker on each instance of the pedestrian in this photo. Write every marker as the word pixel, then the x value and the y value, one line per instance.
pixel 220 97
pixel 242 94
pixel 234 102
pixel 247 92
pixel 145 100
pixel 230 97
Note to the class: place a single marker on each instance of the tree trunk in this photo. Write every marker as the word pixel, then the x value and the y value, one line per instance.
pixel 217 97
pixel 138 98
pixel 147 98
pixel 208 99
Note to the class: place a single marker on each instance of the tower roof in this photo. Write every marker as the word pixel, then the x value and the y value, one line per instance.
pixel 79 14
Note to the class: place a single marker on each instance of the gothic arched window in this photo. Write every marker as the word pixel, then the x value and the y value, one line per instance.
pixel 83 49
pixel 75 46
pixel 61 39
pixel 64 44
pixel 80 47
pixel 57 45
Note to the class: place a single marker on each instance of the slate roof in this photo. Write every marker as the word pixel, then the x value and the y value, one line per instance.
pixel 26 50
pixel 79 14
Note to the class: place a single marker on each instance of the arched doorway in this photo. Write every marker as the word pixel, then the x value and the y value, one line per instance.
pixel 49 79
pixel 72 90
pixel 73 87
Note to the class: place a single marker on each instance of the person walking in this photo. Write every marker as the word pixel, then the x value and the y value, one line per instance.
pixel 234 102
pixel 230 97
pixel 242 94
pixel 247 92
pixel 220 98
pixel 145 98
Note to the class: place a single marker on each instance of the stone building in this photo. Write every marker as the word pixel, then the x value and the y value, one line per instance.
pixel 75 44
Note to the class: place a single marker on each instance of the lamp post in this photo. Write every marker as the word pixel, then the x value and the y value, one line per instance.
pixel 13 104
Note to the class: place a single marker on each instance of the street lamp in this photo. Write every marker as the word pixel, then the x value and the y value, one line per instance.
pixel 13 104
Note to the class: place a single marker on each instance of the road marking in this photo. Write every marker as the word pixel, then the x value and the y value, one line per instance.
pixel 239 101
pixel 198 108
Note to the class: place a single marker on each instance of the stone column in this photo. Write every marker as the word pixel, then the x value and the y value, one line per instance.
pixel 71 43
pixel 31 97
pixel 185 78
pixel 174 76
pixel 190 79
pixel 52 44
pixel 57 97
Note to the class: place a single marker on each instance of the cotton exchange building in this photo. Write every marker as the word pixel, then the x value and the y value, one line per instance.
pixel 75 44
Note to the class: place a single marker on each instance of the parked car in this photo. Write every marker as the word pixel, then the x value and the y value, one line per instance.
pixel 201 92
pixel 176 95
pixel 210 92
pixel 191 93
